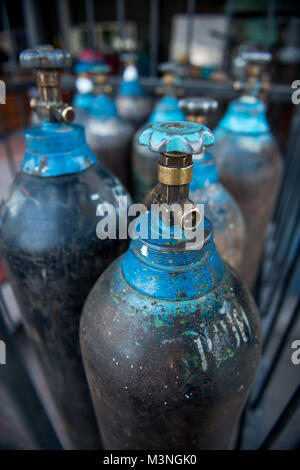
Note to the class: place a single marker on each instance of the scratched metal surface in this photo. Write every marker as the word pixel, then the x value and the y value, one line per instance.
pixel 169 361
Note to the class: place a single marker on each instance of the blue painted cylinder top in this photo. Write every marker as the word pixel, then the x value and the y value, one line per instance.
pixel 167 109
pixel 247 115
pixel 131 88
pixel 83 101
pixel 84 67
pixel 103 107
pixel 55 149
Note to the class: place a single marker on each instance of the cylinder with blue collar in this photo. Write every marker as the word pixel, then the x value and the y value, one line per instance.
pixel 132 103
pixel 83 98
pixel 49 245
pixel 170 336
pixel 107 134
pixel 249 161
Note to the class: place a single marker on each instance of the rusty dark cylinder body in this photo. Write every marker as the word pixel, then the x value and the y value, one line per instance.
pixel 113 153
pixel 110 141
pixel 52 255
pixel 251 169
pixel 169 374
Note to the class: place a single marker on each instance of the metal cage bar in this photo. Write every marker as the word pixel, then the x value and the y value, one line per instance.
pixel 16 380
pixel 283 420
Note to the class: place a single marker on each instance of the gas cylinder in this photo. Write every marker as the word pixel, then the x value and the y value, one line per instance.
pixel 249 161
pixel 83 99
pixel 49 245
pixel 144 161
pixel 170 336
pixel 132 104
pixel 107 134
pixel 220 206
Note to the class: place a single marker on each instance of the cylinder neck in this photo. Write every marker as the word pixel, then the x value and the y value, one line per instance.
pixel 171 271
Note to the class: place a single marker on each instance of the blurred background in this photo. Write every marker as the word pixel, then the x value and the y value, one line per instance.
pixel 207 38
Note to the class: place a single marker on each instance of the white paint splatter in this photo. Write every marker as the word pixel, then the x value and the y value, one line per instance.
pixel 240 325
pixel 202 353
pixel 211 342
pixel 231 323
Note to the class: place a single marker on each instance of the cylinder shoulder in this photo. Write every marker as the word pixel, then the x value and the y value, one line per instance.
pixel 174 374
pixel 40 209
pixel 215 326
pixel 254 145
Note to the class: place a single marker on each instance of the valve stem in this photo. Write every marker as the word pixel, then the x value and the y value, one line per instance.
pixel 176 142
pixel 48 63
